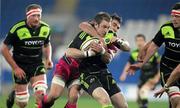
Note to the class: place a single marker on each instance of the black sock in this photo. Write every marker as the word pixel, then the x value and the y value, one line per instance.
pixel 10 100
pixel 143 103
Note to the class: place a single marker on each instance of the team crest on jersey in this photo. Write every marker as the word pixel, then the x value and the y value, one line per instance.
pixel 44 33
pixel 43 70
pixel 92 80
pixel 24 35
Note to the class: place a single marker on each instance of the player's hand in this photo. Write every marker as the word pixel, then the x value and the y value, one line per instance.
pixel 122 77
pixel 96 47
pixel 159 93
pixel 134 67
pixel 107 57
pixel 19 73
pixel 48 64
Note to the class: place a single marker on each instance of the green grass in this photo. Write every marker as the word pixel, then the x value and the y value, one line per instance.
pixel 84 102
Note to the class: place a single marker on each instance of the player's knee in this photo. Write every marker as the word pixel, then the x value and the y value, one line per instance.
pixel 22 98
pixel 125 105
pixel 39 89
pixel 105 101
pixel 101 96
pixel 21 104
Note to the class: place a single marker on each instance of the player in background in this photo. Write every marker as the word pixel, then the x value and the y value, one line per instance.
pixel 149 75
pixel 168 34
pixel 28 38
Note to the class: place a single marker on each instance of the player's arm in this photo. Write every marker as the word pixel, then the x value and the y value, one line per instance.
pixel 150 51
pixel 143 51
pixel 172 78
pixel 107 57
pixel 7 55
pixel 47 50
pixel 125 73
pixel 76 53
pixel 154 45
pixel 88 28
pixel 18 72
pixel 94 49
pixel 122 44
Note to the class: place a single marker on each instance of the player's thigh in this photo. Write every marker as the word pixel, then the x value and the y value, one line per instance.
pixel 119 101
pixel 109 84
pixel 55 90
pixel 148 85
pixel 41 77
pixel 57 86
pixel 89 82
pixel 154 80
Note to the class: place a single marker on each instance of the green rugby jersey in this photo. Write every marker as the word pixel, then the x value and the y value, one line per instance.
pixel 151 65
pixel 170 36
pixel 28 42
pixel 89 64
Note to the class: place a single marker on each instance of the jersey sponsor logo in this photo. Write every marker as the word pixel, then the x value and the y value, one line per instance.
pixel 173 44
pixel 43 70
pixel 92 80
pixel 36 42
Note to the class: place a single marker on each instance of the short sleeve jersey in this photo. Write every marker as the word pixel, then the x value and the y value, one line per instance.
pixel 170 36
pixel 27 42
pixel 89 64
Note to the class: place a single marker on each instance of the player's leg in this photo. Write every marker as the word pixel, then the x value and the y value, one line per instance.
pixel 113 90
pixel 22 95
pixel 143 96
pixel 21 88
pixel 102 97
pixel 92 85
pixel 147 83
pixel 151 83
pixel 57 87
pixel 39 85
pixel 174 96
pixel 10 99
pixel 61 75
pixel 119 101
pixel 73 94
pixel 174 91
